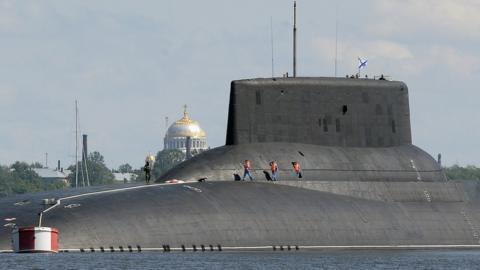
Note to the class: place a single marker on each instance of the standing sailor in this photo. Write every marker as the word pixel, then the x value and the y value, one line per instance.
pixel 247 167
pixel 296 168
pixel 149 163
pixel 146 168
pixel 274 169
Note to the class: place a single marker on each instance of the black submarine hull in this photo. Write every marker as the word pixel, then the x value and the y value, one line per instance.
pixel 365 184
pixel 259 214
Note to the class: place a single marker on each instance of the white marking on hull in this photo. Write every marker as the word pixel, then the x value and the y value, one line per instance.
pixel 192 188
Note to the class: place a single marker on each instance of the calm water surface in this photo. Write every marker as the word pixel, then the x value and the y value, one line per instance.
pixel 247 260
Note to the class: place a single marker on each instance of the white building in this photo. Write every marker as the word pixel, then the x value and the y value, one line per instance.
pixel 124 177
pixel 51 176
pixel 177 133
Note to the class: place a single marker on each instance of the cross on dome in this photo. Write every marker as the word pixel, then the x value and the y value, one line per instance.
pixel 185 114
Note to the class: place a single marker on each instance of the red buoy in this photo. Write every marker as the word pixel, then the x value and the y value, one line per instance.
pixel 35 239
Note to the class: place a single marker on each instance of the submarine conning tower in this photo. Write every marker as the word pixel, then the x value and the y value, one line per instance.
pixel 321 111
pixel 338 129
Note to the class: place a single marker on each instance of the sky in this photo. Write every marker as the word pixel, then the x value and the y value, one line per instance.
pixel 130 64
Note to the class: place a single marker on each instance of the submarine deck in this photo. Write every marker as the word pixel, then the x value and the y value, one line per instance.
pixel 246 214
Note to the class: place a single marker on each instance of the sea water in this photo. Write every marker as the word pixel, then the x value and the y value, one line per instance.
pixel 457 259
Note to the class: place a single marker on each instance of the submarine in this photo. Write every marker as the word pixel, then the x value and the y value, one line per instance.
pixel 364 184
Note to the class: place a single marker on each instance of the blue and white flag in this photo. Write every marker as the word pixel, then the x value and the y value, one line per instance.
pixel 362 63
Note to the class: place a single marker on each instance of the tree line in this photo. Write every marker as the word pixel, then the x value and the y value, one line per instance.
pixel 457 172
pixel 99 174
pixel 20 177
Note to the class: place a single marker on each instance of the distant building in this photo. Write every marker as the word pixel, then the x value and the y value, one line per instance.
pixel 177 133
pixel 52 176
pixel 124 177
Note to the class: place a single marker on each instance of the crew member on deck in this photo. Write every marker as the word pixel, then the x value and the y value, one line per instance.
pixel 146 168
pixel 247 167
pixel 296 168
pixel 274 169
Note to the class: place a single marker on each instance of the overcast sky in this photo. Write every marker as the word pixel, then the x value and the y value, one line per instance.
pixel 132 63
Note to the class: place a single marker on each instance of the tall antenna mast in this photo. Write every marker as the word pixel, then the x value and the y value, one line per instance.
pixel 76 144
pixel 336 38
pixel 294 39
pixel 271 43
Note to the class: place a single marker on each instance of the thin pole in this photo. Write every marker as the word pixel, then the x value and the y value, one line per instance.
pixel 294 39
pixel 271 43
pixel 81 163
pixel 336 38
pixel 76 144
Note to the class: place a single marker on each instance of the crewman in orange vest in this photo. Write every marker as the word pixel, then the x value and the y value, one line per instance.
pixel 296 168
pixel 247 167
pixel 274 168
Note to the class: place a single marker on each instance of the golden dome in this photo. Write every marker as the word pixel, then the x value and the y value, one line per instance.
pixel 185 127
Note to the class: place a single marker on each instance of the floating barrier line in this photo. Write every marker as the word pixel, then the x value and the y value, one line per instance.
pixel 393 247
pixel 353 247
pixel 269 248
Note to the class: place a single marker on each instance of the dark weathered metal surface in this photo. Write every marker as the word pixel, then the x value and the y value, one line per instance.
pixel 321 111
pixel 399 163
pixel 259 214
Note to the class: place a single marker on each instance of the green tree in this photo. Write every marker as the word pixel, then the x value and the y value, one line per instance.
pixel 125 168
pixel 21 178
pixel 23 170
pixel 7 181
pixel 98 173
pixel 469 172
pixel 165 160
pixel 36 165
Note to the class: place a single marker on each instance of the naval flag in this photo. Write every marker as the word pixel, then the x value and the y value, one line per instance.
pixel 362 63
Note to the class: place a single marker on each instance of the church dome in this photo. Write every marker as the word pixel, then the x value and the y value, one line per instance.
pixel 178 134
pixel 185 127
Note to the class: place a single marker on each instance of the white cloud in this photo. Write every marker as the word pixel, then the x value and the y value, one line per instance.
pixel 444 58
pixel 7 95
pixel 380 52
pixel 352 48
pixel 454 60
pixel 8 17
pixel 411 60
pixel 445 17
